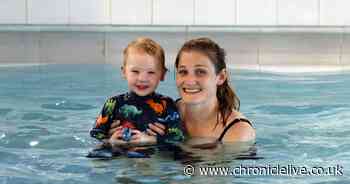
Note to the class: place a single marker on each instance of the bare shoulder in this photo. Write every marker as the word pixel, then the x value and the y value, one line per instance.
pixel 240 131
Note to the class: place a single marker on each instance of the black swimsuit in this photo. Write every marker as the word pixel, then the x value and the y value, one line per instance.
pixel 228 126
pixel 231 124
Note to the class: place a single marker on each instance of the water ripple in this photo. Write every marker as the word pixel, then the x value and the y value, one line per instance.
pixel 4 111
pixel 41 117
pixel 295 110
pixel 64 105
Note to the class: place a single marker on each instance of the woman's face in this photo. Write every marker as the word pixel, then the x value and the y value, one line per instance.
pixel 196 79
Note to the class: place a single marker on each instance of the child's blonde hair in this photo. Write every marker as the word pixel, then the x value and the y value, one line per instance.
pixel 149 46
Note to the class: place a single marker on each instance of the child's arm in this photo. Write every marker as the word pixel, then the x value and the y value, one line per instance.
pixel 104 120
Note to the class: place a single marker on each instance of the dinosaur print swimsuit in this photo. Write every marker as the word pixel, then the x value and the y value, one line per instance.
pixel 137 112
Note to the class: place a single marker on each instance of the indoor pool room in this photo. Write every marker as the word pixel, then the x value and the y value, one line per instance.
pixel 287 61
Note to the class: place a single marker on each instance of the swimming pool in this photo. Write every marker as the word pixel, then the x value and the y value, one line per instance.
pixel 46 112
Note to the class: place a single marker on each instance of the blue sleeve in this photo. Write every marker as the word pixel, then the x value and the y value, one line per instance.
pixel 104 120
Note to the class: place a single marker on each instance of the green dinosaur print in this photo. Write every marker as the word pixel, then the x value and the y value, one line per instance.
pixel 129 111
pixel 175 134
pixel 109 106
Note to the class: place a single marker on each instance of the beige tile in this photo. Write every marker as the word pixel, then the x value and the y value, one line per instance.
pixel 241 48
pixel 72 47
pixel 169 41
pixel 300 49
pixel 345 57
pixel 19 47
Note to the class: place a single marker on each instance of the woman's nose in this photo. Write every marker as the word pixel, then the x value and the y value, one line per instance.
pixel 189 79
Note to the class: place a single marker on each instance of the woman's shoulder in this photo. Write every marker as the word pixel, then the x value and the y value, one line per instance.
pixel 239 128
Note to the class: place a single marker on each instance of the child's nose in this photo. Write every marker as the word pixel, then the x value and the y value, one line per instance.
pixel 143 76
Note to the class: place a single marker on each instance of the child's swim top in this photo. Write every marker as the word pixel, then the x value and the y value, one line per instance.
pixel 135 111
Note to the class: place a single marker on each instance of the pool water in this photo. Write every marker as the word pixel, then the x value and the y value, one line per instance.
pixel 46 112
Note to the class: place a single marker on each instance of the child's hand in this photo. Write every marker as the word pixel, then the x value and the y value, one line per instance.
pixel 141 138
pixel 115 140
pixel 156 128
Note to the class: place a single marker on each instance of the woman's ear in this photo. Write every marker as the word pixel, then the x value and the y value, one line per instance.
pixel 221 77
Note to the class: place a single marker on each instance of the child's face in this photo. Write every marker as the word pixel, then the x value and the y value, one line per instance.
pixel 142 71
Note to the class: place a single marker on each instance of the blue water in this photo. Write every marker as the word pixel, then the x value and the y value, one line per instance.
pixel 46 112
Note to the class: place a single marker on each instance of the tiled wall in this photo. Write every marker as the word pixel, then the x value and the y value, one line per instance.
pixel 254 50
pixel 258 49
pixel 179 12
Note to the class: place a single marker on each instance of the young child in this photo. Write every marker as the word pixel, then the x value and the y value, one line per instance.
pixel 143 68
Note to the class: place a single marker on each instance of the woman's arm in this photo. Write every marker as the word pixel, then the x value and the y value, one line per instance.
pixel 156 128
pixel 240 132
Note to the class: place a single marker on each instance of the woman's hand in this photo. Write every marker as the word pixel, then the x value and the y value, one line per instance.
pixel 114 127
pixel 155 128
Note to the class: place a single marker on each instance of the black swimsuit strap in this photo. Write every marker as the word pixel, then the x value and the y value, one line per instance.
pixel 231 124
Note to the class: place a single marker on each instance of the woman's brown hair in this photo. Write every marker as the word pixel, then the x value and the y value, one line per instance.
pixel 227 98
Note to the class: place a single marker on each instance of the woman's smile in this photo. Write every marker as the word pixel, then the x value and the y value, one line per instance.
pixel 191 90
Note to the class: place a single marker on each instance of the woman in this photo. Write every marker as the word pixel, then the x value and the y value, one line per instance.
pixel 208 105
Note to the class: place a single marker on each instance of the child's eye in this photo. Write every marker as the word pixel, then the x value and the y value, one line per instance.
pixel 135 71
pixel 151 72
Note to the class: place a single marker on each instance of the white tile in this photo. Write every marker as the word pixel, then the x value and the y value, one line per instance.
pixel 89 12
pixel 334 12
pixel 48 11
pixel 256 12
pixel 297 12
pixel 215 12
pixel 12 12
pixel 131 12
pixel 179 12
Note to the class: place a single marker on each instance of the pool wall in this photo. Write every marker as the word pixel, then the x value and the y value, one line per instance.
pixel 264 49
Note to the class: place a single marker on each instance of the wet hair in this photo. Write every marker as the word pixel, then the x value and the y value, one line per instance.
pixel 227 98
pixel 148 46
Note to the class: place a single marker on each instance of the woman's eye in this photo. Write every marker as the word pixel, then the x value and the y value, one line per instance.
pixel 182 72
pixel 201 72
